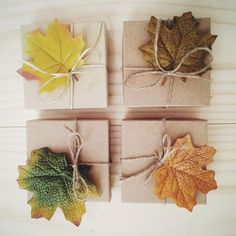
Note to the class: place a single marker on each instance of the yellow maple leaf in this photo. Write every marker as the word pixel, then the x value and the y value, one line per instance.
pixel 55 52
pixel 183 173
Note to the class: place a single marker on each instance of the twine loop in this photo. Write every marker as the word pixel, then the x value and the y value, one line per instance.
pixel 77 180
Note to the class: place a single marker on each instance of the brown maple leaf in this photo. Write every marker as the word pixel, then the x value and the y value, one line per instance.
pixel 183 174
pixel 176 39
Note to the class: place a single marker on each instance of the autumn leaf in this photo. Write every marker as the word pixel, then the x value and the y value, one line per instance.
pixel 48 176
pixel 55 52
pixel 176 39
pixel 183 173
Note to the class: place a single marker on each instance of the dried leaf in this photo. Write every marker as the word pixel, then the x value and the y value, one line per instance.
pixel 55 52
pixel 183 174
pixel 48 176
pixel 176 39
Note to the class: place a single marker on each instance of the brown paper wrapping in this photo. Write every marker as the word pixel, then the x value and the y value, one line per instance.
pixel 194 92
pixel 91 89
pixel 142 137
pixel 53 134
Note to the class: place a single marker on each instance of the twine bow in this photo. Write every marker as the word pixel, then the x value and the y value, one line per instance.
pixel 168 73
pixel 70 75
pixel 78 180
pixel 164 152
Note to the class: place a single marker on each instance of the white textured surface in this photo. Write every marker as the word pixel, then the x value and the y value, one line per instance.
pixel 218 217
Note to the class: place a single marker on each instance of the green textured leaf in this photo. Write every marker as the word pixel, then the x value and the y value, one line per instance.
pixel 48 176
pixel 176 39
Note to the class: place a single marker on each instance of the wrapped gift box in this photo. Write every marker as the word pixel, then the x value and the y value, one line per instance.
pixel 142 138
pixel 193 92
pixel 54 135
pixel 91 89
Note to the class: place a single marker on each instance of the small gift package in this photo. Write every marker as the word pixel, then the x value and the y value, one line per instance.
pixel 65 65
pixel 167 62
pixel 165 160
pixel 68 163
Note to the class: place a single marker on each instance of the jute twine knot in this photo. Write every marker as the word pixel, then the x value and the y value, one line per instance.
pixel 78 181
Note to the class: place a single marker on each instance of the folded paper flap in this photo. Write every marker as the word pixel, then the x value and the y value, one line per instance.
pixel 89 32
pixel 99 175
pixel 135 188
pixel 135 36
pixel 96 137
pixel 90 88
pixel 54 135
pixel 139 141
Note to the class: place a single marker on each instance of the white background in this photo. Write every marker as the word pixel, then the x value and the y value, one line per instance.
pixel 218 217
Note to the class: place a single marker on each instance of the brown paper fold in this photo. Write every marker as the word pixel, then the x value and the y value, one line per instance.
pixel 53 134
pixel 91 90
pixel 194 92
pixel 141 138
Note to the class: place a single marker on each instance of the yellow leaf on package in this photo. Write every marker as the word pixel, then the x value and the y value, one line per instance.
pixel 55 52
pixel 183 174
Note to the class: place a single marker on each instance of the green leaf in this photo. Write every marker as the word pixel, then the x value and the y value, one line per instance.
pixel 48 176
pixel 176 39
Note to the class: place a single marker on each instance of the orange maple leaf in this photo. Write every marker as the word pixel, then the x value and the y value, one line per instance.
pixel 183 173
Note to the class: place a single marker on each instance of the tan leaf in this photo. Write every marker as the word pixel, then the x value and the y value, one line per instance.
pixel 183 174
pixel 176 39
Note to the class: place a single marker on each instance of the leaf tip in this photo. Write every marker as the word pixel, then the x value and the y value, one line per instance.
pixel 21 177
pixel 77 223
pixel 37 215
pixel 27 75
